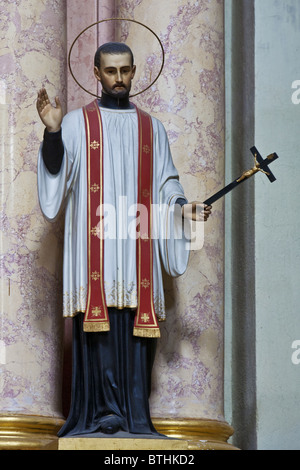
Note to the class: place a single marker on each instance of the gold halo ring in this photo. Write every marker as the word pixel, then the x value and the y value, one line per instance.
pixel 117 19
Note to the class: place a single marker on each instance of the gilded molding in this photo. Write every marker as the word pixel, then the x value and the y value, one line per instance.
pixel 20 432
pixel 201 434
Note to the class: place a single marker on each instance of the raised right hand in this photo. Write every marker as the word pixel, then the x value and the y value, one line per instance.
pixel 50 116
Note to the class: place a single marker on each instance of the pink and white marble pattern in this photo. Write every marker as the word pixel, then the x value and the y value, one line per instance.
pixel 80 15
pixel 189 100
pixel 33 54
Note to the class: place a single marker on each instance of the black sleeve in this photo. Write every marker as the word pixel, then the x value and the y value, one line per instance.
pixel 53 151
pixel 181 201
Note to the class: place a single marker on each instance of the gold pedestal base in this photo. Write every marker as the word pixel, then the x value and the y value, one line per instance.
pixel 185 434
pixel 39 433
pixel 200 434
pixel 113 443
pixel 19 432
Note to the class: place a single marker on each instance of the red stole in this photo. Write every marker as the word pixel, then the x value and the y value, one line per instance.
pixel 96 314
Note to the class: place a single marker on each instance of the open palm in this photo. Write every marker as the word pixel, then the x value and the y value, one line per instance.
pixel 51 116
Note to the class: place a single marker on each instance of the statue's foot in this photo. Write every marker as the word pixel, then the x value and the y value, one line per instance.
pixel 109 424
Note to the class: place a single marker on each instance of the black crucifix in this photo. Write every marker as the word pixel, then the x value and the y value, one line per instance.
pixel 260 165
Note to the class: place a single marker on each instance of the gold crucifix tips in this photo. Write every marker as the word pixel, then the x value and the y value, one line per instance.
pixel 252 171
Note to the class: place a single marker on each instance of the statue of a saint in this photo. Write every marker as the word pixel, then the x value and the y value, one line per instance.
pixel 106 159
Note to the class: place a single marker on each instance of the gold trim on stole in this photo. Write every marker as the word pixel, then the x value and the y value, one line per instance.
pixel 145 193
pixel 92 321
pixel 96 315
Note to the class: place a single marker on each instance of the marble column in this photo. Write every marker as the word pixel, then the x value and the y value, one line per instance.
pixel 187 398
pixel 79 16
pixel 33 53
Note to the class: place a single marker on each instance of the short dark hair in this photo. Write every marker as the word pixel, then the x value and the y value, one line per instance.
pixel 112 48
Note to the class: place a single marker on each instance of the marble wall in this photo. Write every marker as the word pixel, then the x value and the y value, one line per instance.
pixel 32 54
pixel 188 99
pixel 79 16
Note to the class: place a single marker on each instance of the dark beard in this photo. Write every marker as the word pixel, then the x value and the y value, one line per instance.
pixel 120 93
pixel 114 93
pixel 115 100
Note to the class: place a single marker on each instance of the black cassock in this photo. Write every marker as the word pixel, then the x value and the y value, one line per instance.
pixel 111 375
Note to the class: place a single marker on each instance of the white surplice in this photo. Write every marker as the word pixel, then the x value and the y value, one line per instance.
pixel 68 189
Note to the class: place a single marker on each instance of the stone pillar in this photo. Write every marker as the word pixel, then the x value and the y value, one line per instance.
pixel 79 16
pixel 187 399
pixel 33 54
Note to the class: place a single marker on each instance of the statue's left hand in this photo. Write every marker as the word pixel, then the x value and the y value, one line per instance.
pixel 196 211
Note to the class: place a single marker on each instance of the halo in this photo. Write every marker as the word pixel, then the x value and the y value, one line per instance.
pixel 117 19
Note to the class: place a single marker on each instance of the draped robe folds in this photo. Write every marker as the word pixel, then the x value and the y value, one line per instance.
pixel 68 190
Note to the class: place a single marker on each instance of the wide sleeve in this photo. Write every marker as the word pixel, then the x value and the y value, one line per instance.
pixel 54 189
pixel 174 242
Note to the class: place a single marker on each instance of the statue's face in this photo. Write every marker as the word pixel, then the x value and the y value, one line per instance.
pixel 115 74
